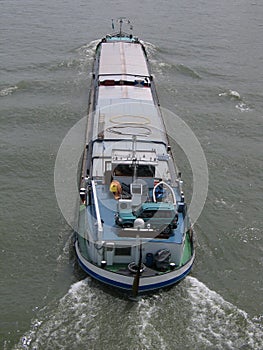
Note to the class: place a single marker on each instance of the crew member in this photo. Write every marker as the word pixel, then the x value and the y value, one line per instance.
pixel 115 188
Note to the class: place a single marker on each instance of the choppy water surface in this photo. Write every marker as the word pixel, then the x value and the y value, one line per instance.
pixel 206 57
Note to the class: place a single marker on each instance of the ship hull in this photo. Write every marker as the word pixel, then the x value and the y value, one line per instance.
pixel 132 209
pixel 125 283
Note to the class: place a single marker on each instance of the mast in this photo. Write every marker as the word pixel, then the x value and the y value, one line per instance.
pixel 122 20
pixel 134 158
pixel 136 281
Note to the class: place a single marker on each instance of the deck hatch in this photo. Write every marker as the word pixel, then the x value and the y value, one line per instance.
pixel 123 58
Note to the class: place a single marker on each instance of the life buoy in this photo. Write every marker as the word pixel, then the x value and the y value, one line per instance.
pixel 115 188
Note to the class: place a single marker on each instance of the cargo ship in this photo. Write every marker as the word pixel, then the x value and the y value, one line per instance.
pixel 134 232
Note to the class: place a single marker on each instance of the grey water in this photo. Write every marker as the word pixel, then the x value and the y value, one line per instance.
pixel 207 59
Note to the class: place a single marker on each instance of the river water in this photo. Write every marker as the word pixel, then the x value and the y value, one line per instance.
pixel 207 58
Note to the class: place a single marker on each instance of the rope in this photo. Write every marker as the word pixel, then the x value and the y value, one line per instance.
pixel 118 130
pixel 146 120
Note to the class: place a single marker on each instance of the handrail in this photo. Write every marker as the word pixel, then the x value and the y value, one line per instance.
pixel 170 188
pixel 97 210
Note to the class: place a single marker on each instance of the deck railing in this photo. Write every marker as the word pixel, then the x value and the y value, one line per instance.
pixel 97 210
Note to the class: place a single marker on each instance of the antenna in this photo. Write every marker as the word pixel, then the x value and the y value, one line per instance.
pixel 121 21
pixel 134 158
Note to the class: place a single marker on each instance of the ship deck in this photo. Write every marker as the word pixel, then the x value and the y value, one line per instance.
pixel 111 231
pixel 126 101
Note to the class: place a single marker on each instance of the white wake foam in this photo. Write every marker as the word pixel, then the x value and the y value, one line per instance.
pixel 68 323
pixel 243 107
pixel 8 90
pixel 187 316
pixel 231 93
pixel 235 95
pixel 219 324
pixel 148 331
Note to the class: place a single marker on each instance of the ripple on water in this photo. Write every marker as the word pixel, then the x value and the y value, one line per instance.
pixel 188 313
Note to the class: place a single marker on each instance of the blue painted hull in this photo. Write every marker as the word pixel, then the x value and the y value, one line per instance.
pixel 113 279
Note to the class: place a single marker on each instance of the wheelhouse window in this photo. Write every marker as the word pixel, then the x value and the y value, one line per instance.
pixel 146 171
pixel 123 251
pixel 128 170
